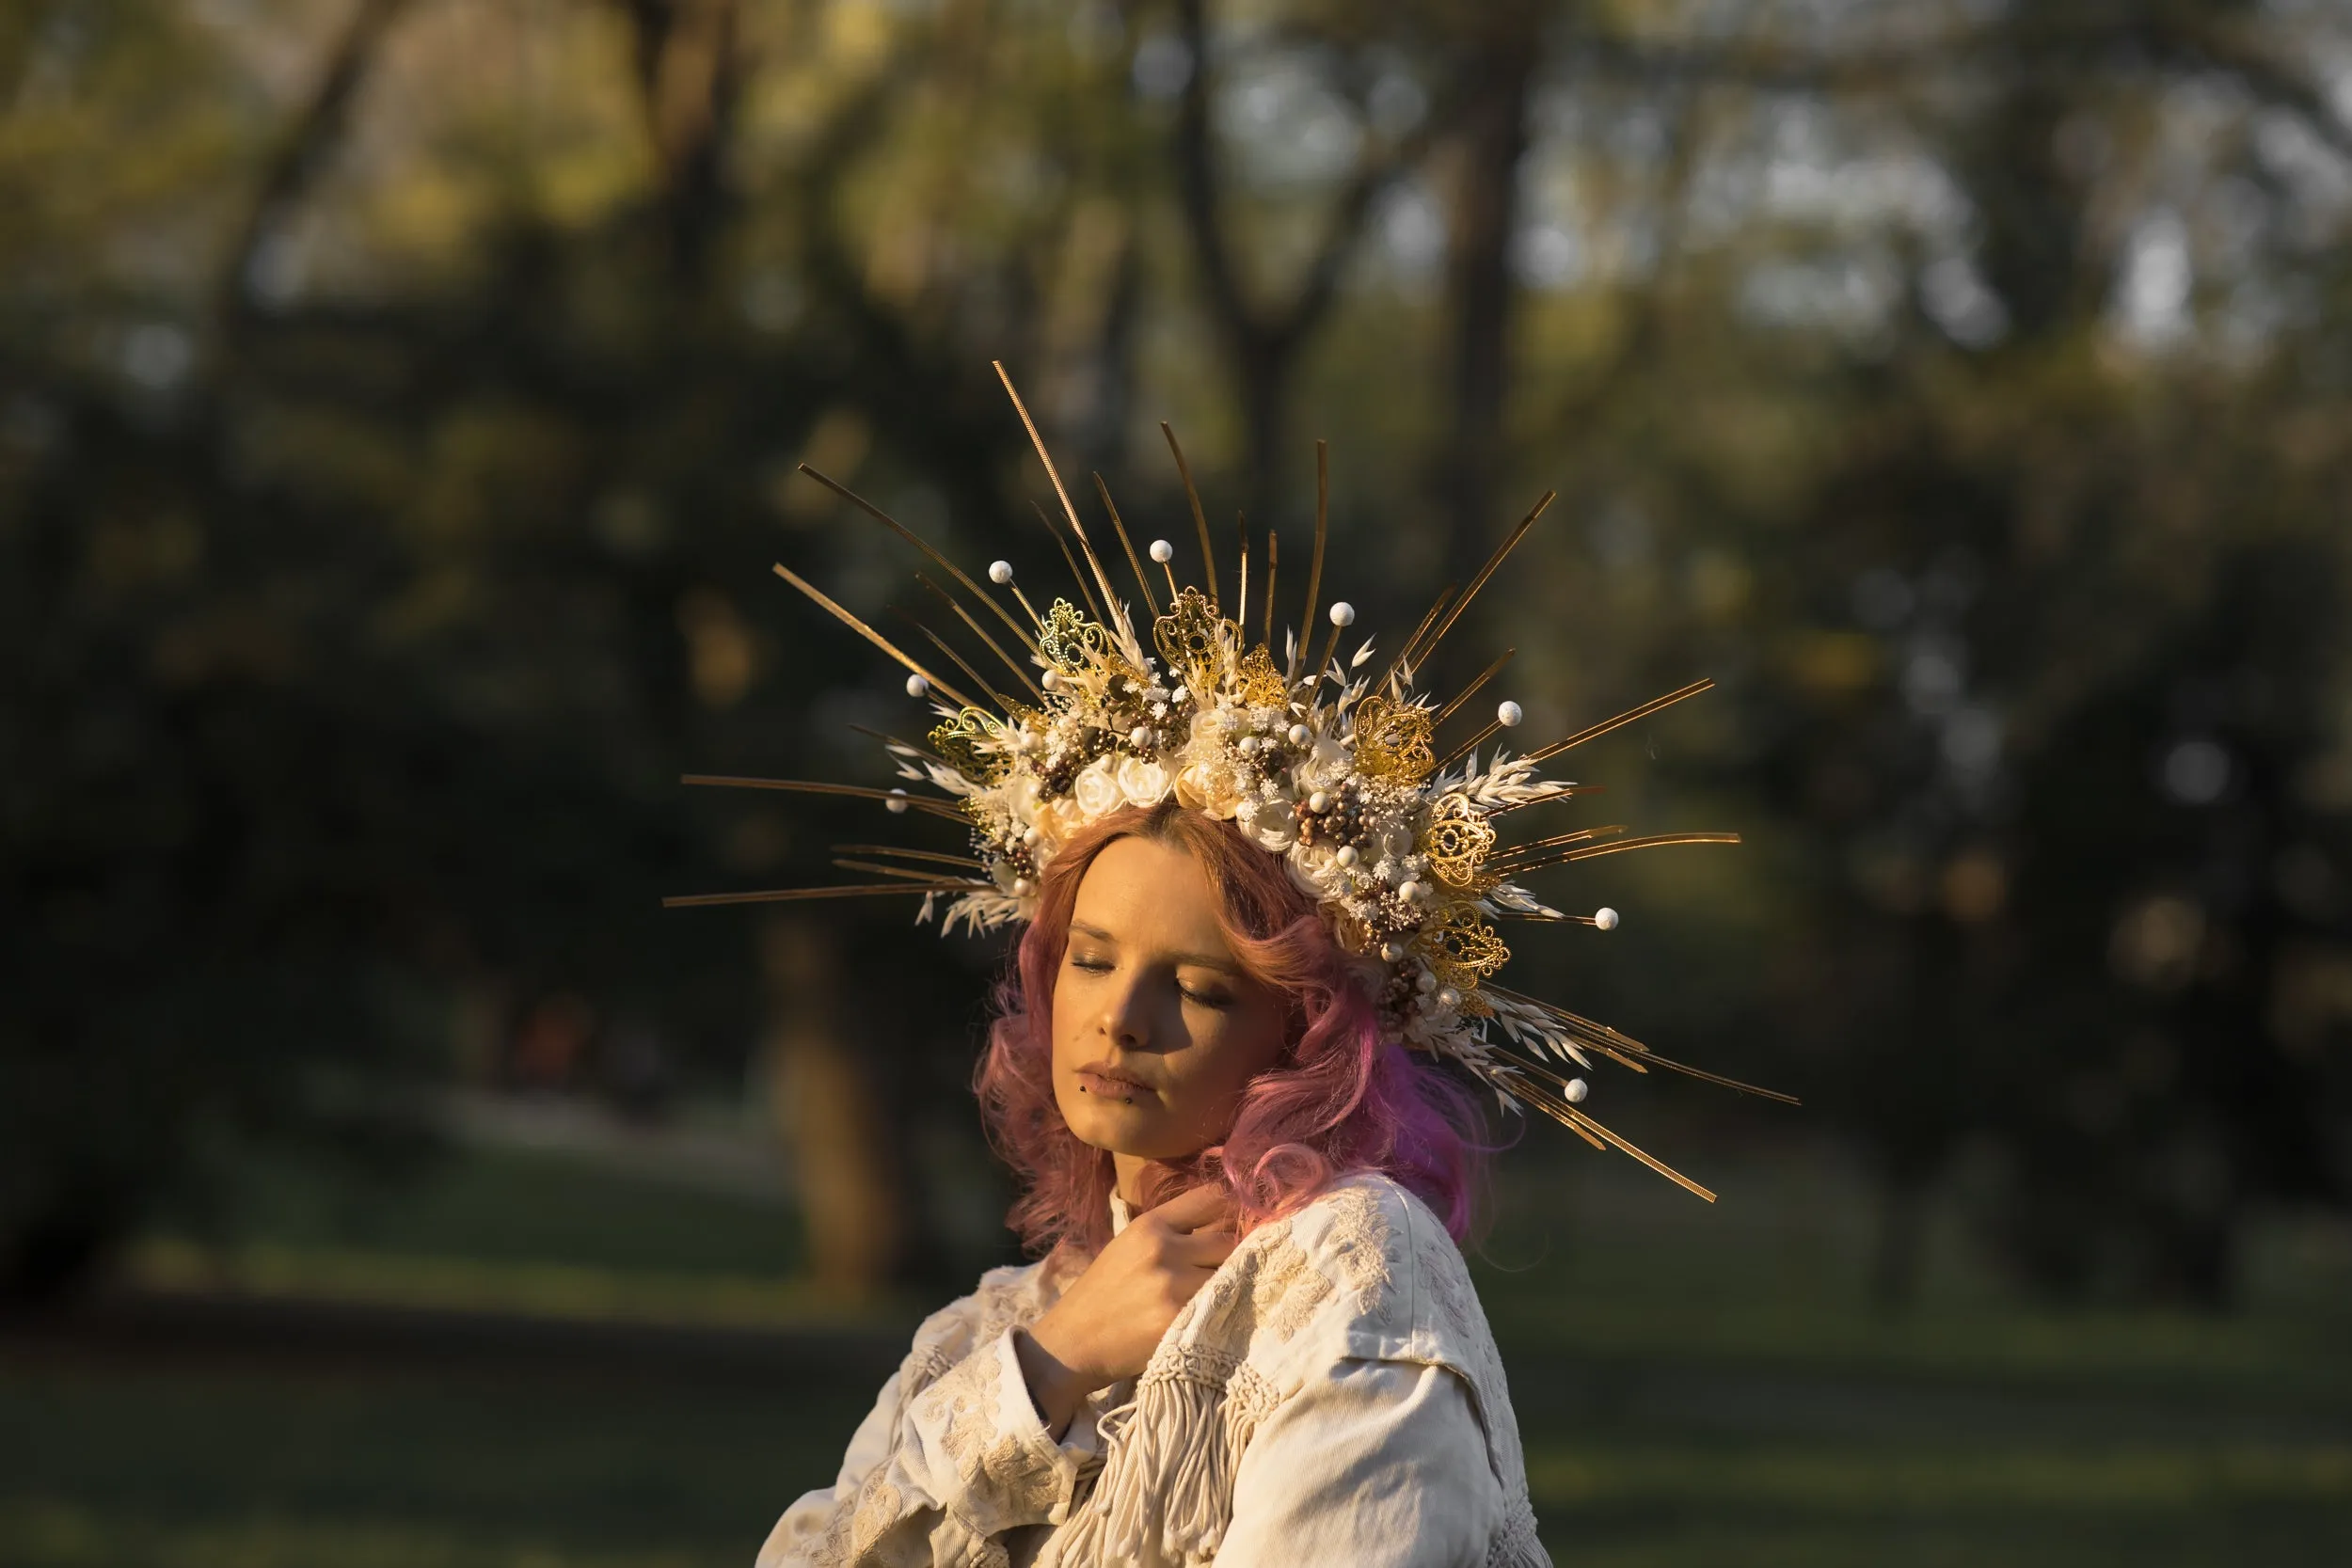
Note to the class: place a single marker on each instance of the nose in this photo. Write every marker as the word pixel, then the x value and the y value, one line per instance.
pixel 1126 1020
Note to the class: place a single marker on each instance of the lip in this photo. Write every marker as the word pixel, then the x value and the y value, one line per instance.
pixel 1104 1079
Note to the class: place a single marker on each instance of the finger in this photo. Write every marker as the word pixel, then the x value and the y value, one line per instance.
pixel 1203 1248
pixel 1195 1209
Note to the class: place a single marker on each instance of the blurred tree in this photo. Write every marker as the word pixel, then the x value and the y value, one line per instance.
pixel 400 404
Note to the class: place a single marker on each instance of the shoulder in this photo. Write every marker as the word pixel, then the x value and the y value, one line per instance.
pixel 1006 1296
pixel 1365 1270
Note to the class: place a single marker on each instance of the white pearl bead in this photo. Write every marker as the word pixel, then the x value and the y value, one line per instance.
pixel 1161 551
pixel 1031 836
pixel 1139 735
pixel 1391 951
pixel 1606 918
pixel 1509 714
pixel 918 687
pixel 1247 743
pixel 1425 981
pixel 1408 890
pixel 1300 734
pixel 1576 1091
pixel 1021 887
pixel 1343 613
pixel 1319 801
pixel 1346 855
pixel 1449 998
pixel 1050 681
pixel 897 803
pixel 1000 572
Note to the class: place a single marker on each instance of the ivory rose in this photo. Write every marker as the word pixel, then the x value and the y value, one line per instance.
pixel 1143 782
pixel 1096 789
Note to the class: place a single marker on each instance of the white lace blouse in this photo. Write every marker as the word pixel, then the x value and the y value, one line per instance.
pixel 1331 1396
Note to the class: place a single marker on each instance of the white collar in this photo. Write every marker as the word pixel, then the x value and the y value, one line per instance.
pixel 1120 1213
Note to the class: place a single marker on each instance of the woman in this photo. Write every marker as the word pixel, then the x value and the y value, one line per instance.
pixel 1252 1338
pixel 1261 909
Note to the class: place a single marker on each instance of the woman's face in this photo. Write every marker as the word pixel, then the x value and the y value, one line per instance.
pixel 1156 1027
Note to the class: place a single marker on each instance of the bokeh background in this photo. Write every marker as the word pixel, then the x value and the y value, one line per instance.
pixel 399 407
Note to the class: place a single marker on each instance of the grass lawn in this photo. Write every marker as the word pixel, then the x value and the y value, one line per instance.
pixel 1695 1385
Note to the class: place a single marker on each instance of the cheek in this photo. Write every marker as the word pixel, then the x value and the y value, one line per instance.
pixel 1225 1056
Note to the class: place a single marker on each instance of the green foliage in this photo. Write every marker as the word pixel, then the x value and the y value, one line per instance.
pixel 400 417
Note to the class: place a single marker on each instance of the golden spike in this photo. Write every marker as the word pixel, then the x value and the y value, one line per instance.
pixel 1600 1032
pixel 877 638
pixel 1654 841
pixel 965 616
pixel 1569 1117
pixel 1512 852
pixel 889 739
pixel 1054 474
pixel 995 696
pixel 1133 561
pixel 1548 919
pixel 1706 1077
pixel 1407 646
pixel 1600 1036
pixel 902 872
pixel 1567 792
pixel 1025 605
pixel 1494 726
pixel 1200 518
pixel 1472 690
pixel 780 895
pixel 1551 1107
pixel 1330 647
pixel 911 537
pixel 904 853
pixel 1273 561
pixel 1069 560
pixel 1543 503
pixel 1241 605
pixel 803 786
pixel 1581 737
pixel 1526 1062
pixel 1314 567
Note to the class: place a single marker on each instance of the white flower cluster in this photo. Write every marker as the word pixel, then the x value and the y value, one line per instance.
pixel 1314 765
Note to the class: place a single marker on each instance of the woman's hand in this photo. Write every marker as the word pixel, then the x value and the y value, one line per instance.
pixel 1107 1324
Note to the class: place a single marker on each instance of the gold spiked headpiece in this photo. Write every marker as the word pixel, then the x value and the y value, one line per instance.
pixel 1316 759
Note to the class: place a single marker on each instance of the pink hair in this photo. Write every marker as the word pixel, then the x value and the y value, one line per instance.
pixel 1338 1102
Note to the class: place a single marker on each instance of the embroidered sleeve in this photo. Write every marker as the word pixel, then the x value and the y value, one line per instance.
pixel 1376 1464
pixel 942 1467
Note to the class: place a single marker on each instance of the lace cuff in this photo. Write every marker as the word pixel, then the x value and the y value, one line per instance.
pixel 988 1451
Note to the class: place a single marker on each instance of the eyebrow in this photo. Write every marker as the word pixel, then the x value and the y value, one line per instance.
pixel 1198 960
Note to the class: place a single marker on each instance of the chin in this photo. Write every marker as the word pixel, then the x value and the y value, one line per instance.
pixel 1140 1130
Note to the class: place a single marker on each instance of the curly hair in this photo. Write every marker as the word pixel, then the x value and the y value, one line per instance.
pixel 1337 1101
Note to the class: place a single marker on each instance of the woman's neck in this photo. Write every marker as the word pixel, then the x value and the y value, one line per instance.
pixel 1127 1178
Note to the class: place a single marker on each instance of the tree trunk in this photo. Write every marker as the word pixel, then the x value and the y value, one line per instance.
pixel 1478 281
pixel 822 1098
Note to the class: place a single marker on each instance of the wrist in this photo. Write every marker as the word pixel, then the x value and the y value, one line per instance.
pixel 1057 1388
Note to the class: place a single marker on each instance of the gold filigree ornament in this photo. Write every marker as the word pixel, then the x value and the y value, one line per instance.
pixel 1193 638
pixel 972 743
pixel 1458 842
pixel 1463 948
pixel 1258 682
pixel 1393 739
pixel 1314 758
pixel 1068 640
